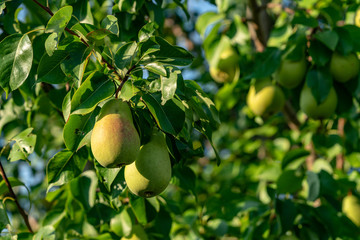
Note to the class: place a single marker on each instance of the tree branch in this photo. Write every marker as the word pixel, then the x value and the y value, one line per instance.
pixel 12 194
pixel 77 35
pixel 340 159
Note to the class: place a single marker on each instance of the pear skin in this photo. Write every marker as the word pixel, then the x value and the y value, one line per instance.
pixel 344 68
pixel 227 69
pixel 264 98
pixel 290 73
pixel 114 139
pixel 150 174
pixel 137 233
pixel 351 207
pixel 314 110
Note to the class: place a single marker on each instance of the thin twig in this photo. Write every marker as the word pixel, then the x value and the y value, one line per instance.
pixel 12 194
pixel 127 75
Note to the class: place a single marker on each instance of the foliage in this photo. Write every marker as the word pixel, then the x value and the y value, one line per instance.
pixel 249 177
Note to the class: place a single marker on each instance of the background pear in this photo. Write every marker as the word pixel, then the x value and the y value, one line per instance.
pixel 137 233
pixel 265 98
pixel 227 69
pixel 150 174
pixel 344 68
pixel 351 207
pixel 314 110
pixel 114 139
pixel 290 73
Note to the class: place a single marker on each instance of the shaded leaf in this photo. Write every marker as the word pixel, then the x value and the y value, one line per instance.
pixel 16 57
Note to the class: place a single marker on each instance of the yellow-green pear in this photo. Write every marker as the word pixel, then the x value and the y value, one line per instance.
pixel 290 73
pixel 114 139
pixel 150 174
pixel 314 110
pixel 344 68
pixel 227 69
pixel 137 233
pixel 265 98
pixel 351 207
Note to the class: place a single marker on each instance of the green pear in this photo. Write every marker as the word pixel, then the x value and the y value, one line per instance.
pixel 265 98
pixel 344 68
pixel 137 233
pixel 290 73
pixel 314 110
pixel 351 207
pixel 150 174
pixel 227 69
pixel 114 139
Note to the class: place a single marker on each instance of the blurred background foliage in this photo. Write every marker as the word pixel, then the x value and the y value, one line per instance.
pixel 281 176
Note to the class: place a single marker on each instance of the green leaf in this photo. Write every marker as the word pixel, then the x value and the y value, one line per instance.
pixel 320 82
pixel 156 68
pixel 185 178
pixel 83 188
pixel 314 186
pixel 45 232
pixel 205 20
pixel 147 31
pixel 266 63
pixel 96 88
pixel 168 53
pixel 328 38
pixel 77 130
pixel 65 166
pixel 169 84
pixel 66 104
pixel 4 219
pixel 59 20
pixel 169 117
pixel 203 105
pixel 98 34
pixel 14 183
pixel 110 23
pixel 138 207
pixel 74 64
pixel 49 70
pixel 303 18
pixel 23 146
pixel 293 155
pixel 289 182
pixel 121 224
pixel 16 57
pixel 107 175
pixel 125 55
pixel 51 43
pixel 287 212
pixel 319 53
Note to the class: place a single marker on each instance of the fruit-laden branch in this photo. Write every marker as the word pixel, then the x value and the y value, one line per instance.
pixel 75 34
pixel 12 194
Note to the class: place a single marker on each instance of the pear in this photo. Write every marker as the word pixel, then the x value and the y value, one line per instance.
pixel 137 233
pixel 314 110
pixel 265 98
pixel 290 73
pixel 150 174
pixel 227 69
pixel 351 207
pixel 344 68
pixel 114 139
